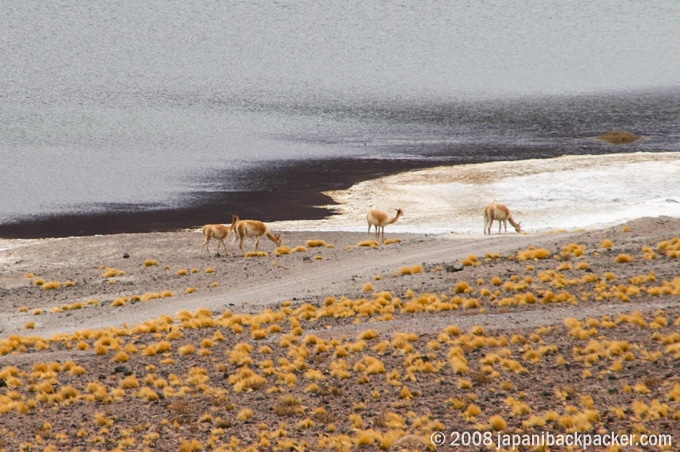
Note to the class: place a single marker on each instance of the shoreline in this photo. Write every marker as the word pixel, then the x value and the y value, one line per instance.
pixel 292 191
pixel 334 194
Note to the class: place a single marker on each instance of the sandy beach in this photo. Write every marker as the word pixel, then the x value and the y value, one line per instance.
pixel 311 323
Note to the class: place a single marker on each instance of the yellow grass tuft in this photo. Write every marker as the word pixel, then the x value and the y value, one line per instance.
pixel 283 250
pixel 250 254
pixel 471 261
pixel 497 423
pixel 315 243
pixel 150 263
pixel 244 414
pixel 472 411
pixel 120 357
pixel 607 244
pixel 259 334
pixel 368 334
pixel 188 349
pixel 533 253
pixel 462 287
pixel 411 270
pixel 51 285
pixel 368 287
pixel 112 273
pixel 623 258
pixel 148 394
pixel 368 243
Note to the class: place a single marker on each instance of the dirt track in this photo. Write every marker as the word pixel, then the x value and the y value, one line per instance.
pixel 241 284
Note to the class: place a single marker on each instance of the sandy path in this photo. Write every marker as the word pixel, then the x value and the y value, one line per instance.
pixel 346 272
pixel 248 285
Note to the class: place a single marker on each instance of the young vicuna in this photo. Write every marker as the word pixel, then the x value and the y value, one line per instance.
pixel 380 219
pixel 217 232
pixel 498 212
pixel 253 228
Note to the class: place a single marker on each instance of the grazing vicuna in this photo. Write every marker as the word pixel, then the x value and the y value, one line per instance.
pixel 217 232
pixel 380 219
pixel 498 212
pixel 252 228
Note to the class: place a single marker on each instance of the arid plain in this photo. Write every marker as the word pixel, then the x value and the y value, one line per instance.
pixel 136 341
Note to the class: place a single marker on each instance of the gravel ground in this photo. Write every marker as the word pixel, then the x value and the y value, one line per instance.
pixel 136 341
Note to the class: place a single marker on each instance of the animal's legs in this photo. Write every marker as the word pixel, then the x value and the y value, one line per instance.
pixel 223 246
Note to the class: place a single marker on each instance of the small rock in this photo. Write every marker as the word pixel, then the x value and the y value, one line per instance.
pixel 455 267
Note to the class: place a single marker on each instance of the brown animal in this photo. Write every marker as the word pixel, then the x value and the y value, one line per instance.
pixel 380 219
pixel 252 228
pixel 498 212
pixel 217 232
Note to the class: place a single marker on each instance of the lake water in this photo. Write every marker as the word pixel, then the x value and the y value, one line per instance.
pixel 154 115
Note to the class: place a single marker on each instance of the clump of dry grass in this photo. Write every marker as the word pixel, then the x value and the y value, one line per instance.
pixel 315 243
pixel 282 250
pixel 623 258
pixel 368 243
pixel 251 254
pixel 411 270
pixel 533 253
pixel 51 285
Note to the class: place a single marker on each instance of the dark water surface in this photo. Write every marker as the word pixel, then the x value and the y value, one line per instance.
pixel 400 139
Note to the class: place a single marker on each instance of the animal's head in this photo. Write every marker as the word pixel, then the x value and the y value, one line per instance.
pixel 400 212
pixel 234 219
pixel 277 239
pixel 518 226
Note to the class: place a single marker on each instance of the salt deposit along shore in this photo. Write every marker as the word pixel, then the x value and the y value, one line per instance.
pixel 565 193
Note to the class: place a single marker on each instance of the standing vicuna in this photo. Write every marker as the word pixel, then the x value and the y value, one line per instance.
pixel 217 232
pixel 252 228
pixel 380 219
pixel 498 212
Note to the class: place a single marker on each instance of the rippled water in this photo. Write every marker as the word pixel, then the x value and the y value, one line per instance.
pixel 149 105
